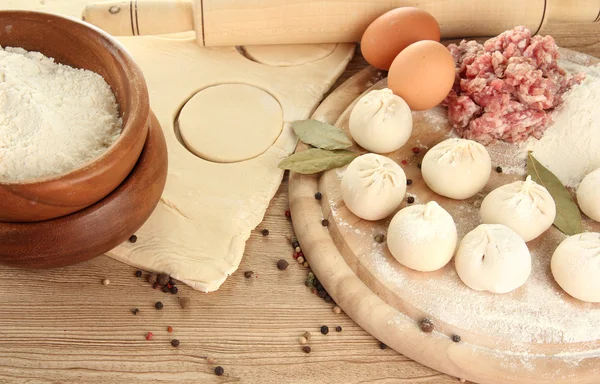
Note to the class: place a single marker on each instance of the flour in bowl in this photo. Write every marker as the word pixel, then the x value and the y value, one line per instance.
pixel 53 118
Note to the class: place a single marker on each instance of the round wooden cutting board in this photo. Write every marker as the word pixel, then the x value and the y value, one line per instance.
pixel 535 334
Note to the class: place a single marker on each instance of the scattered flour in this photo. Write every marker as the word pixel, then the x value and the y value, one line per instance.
pixel 53 118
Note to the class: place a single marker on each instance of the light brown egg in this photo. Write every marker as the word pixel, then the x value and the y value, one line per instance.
pixel 395 30
pixel 422 74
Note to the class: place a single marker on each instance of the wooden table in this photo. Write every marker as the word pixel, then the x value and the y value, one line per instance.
pixel 65 326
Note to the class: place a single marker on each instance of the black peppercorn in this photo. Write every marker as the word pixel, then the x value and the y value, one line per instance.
pixel 321 294
pixel 248 274
pixel 135 311
pixel 319 286
pixel 155 285
pixel 174 290
pixel 132 238
pixel 324 329
pixel 265 232
pixel 163 279
pixel 325 222
pixel 138 273
pixel 282 265
pixel 175 343
pixel 172 282
pixel 328 299
pixel 426 325
pixel 306 349
pixel 456 338
pixel 382 345
pixel 219 371
pixel 318 196
pixel 410 199
pixel 338 329
pixel 419 165
pixel 408 181
pixel 165 289
pixel 499 169
pixel 159 305
pixel 379 238
pixel 295 244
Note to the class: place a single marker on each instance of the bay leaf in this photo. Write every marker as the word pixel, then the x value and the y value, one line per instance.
pixel 568 217
pixel 315 160
pixel 321 135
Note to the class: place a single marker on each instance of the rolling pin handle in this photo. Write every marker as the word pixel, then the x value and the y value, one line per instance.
pixel 139 17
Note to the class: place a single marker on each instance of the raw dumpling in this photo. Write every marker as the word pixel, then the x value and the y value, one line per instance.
pixel 576 266
pixel 381 122
pixel 492 257
pixel 588 195
pixel 456 168
pixel 523 206
pixel 373 186
pixel 422 237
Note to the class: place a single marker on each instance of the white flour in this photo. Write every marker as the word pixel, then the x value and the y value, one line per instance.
pixel 53 118
pixel 570 147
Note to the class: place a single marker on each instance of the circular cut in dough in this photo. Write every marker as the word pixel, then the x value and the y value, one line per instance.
pixel 288 55
pixel 492 257
pixel 456 168
pixel 422 237
pixel 373 186
pixel 576 266
pixel 523 206
pixel 228 123
pixel 588 195
pixel 380 121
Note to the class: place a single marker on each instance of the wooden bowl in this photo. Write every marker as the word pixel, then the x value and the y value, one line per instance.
pixel 98 228
pixel 79 45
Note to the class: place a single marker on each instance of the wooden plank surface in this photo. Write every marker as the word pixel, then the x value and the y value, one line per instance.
pixel 65 326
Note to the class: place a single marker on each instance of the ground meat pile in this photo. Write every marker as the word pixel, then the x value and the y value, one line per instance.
pixel 506 88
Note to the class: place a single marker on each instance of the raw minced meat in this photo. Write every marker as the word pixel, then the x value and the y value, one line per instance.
pixel 506 88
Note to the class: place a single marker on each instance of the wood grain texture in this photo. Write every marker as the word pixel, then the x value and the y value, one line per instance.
pixel 85 234
pixel 77 44
pixel 64 326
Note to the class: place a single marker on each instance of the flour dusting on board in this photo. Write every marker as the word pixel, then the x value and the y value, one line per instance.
pixel 538 312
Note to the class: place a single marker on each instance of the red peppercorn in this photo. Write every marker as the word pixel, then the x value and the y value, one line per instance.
pixel 169 329
pixel 149 336
pixel 288 214
pixel 404 162
pixel 300 254
pixel 416 150
pixel 296 255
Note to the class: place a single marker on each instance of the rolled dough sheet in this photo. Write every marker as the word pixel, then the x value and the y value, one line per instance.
pixel 198 232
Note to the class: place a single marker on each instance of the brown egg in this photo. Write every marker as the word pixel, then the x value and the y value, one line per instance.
pixel 395 30
pixel 422 74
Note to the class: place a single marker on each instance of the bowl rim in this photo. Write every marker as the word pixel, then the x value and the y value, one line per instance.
pixel 135 78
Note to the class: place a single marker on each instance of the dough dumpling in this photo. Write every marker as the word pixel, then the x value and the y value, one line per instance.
pixel 523 206
pixel 576 266
pixel 588 195
pixel 380 121
pixel 457 168
pixel 422 237
pixel 373 186
pixel 493 258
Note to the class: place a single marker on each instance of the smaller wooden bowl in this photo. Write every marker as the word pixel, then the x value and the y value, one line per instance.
pixel 79 45
pixel 96 229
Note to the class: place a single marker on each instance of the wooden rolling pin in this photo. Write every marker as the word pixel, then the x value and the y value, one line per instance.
pixel 255 22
